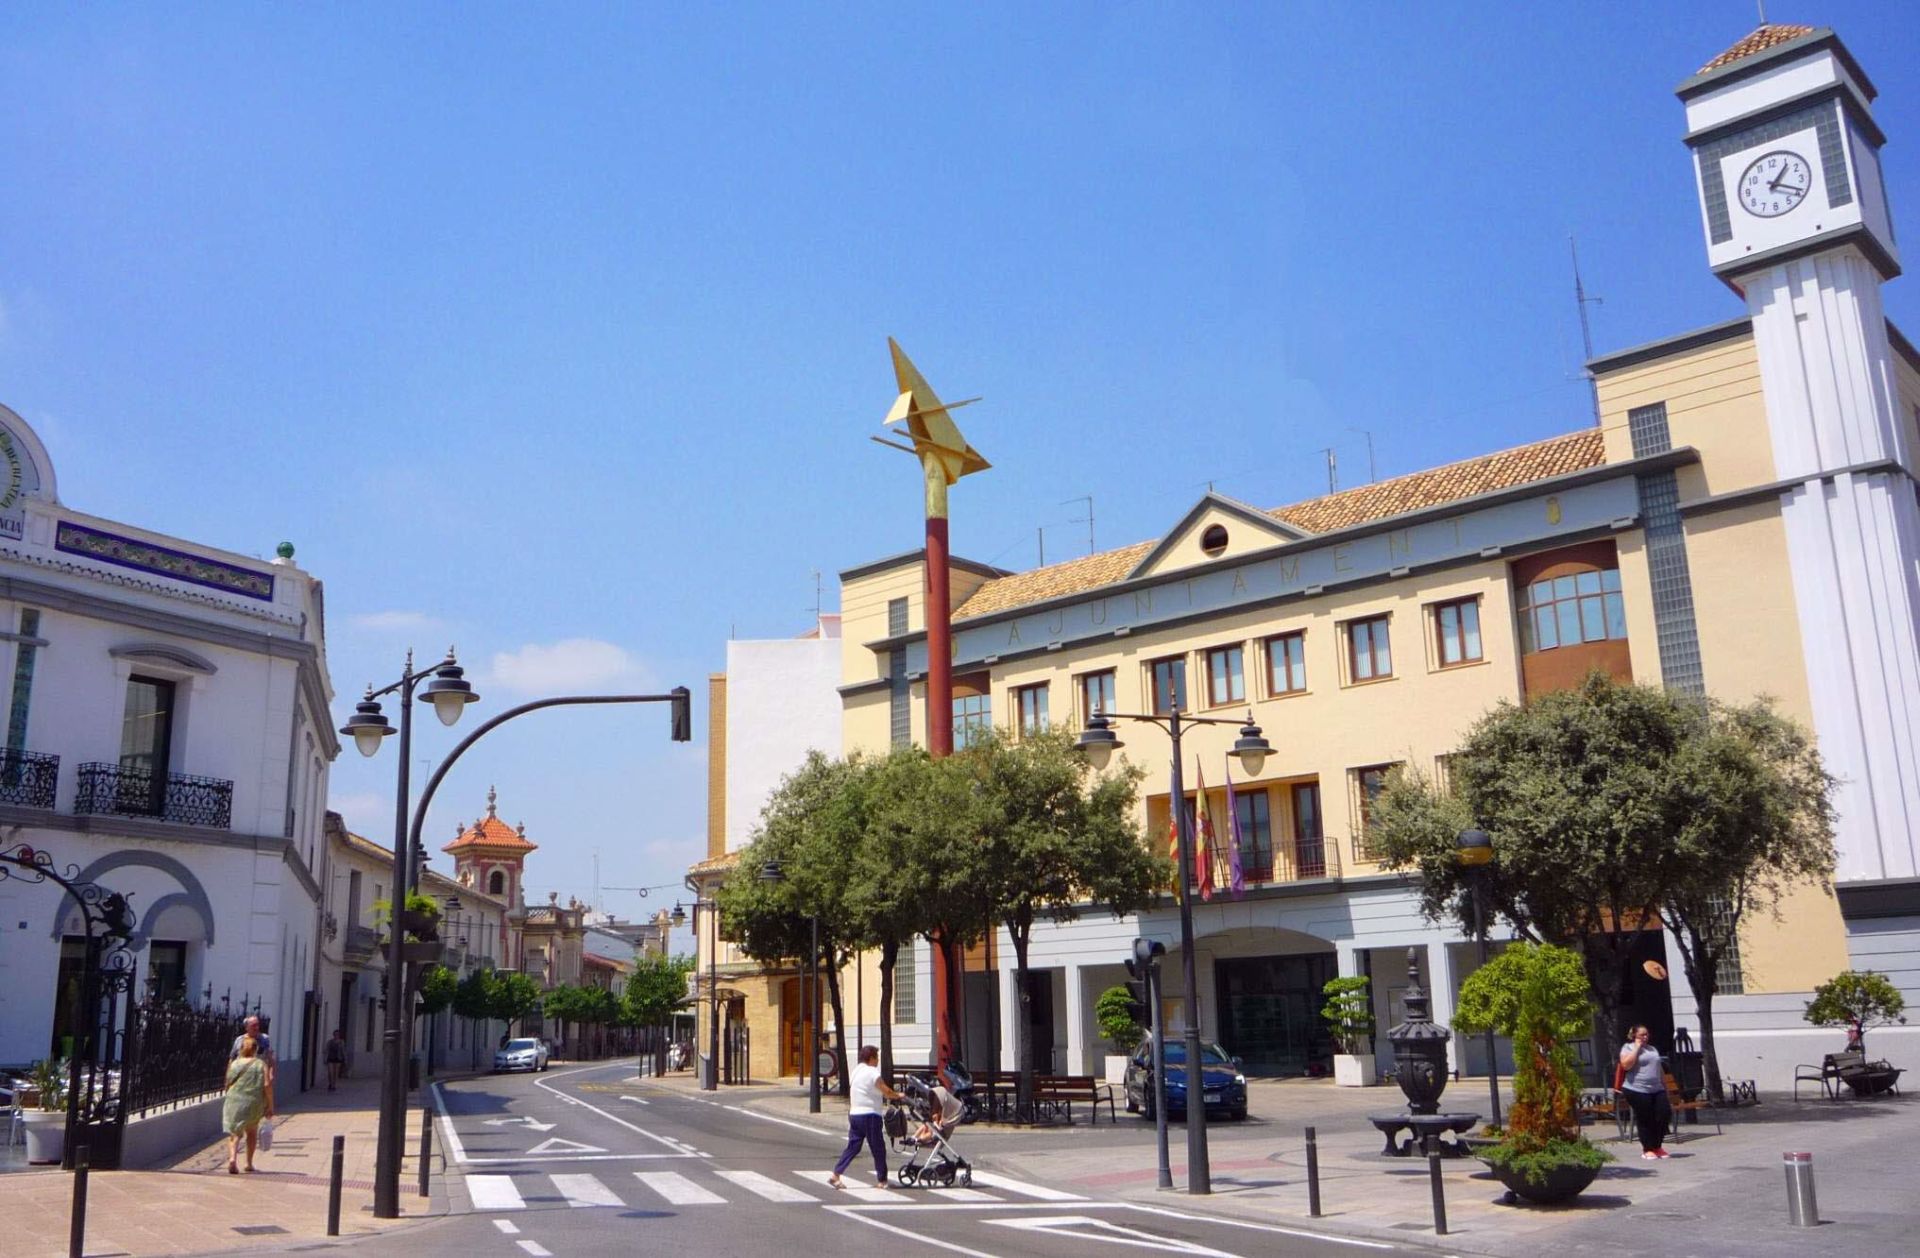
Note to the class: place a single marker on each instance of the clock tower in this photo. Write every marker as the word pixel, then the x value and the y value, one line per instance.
pixel 1786 157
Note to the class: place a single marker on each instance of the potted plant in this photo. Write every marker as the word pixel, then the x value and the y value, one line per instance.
pixel 420 919
pixel 1858 1000
pixel 46 1124
pixel 1537 995
pixel 1349 1014
pixel 1113 1010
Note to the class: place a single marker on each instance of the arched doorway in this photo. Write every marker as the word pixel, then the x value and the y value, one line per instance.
pixel 796 1027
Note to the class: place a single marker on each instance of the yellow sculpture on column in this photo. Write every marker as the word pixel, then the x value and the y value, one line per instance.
pixel 944 454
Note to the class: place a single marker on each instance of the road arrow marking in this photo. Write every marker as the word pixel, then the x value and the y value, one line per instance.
pixel 527 1121
pixel 1091 1229
pixel 557 1145
pixel 636 1100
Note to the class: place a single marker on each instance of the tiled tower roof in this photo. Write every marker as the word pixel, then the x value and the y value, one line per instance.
pixel 492 833
pixel 1771 35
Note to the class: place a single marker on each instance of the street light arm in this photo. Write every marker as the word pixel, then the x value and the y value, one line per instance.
pixel 1165 721
pixel 409 678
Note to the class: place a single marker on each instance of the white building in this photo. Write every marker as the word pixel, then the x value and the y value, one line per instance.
pixel 167 734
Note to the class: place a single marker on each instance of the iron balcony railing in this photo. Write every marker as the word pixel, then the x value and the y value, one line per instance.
pixel 362 940
pixel 28 778
pixel 119 791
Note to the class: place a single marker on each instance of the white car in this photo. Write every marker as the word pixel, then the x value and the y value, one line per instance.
pixel 522 1054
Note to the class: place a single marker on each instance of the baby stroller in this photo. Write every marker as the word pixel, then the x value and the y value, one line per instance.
pixel 921 1128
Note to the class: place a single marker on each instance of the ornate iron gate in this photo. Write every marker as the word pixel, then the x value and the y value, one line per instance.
pixel 96 1101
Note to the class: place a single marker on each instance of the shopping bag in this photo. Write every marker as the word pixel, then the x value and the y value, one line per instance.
pixel 265 1138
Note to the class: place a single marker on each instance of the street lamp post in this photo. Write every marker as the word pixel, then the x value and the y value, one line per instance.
pixel 1475 848
pixel 771 872
pixel 1098 742
pixel 711 1083
pixel 449 693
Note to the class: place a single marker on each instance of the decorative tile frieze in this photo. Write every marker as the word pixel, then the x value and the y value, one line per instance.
pixel 128 552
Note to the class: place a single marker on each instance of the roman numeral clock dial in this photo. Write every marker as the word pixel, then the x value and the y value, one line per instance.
pixel 1775 183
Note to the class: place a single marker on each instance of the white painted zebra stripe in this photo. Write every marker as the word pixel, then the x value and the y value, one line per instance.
pixel 767 1187
pixel 868 1196
pixel 678 1189
pixel 494 1192
pixel 585 1190
pixel 1037 1191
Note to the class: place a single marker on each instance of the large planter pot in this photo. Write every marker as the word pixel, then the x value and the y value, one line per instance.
pixel 46 1134
pixel 424 926
pixel 422 952
pixel 1871 1082
pixel 1116 1064
pixel 1563 1183
pixel 1351 1071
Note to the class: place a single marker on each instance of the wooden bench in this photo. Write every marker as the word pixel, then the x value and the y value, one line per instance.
pixel 1059 1092
pixel 1681 1105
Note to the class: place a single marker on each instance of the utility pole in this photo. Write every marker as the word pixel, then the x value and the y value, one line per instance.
pixel 1581 300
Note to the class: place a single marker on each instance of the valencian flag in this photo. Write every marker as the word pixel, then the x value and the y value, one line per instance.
pixel 1236 873
pixel 1203 842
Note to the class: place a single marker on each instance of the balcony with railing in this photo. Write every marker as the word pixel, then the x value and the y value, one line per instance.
pixel 362 943
pixel 1290 860
pixel 180 798
pixel 28 778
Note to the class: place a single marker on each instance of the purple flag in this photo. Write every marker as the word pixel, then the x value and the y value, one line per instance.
pixel 1236 876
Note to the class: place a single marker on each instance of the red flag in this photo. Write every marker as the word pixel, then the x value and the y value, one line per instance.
pixel 1203 844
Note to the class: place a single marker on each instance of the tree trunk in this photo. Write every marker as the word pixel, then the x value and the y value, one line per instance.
pixel 948 955
pixel 1022 1021
pixel 1702 960
pixel 889 954
pixel 843 1085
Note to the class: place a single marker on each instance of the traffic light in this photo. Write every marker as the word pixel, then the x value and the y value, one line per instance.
pixel 682 714
pixel 1139 999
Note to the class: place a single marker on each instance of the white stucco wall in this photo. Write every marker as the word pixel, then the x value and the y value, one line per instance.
pixel 782 702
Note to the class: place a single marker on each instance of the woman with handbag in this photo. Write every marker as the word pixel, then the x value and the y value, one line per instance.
pixel 248 1100
pixel 1640 1077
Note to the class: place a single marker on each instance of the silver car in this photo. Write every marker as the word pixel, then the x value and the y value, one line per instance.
pixel 521 1054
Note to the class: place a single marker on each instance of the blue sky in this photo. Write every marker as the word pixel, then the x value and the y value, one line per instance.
pixel 558 331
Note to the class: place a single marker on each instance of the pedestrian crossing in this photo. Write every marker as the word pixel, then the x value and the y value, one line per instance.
pixel 715 1186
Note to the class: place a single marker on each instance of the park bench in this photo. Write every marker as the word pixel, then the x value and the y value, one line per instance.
pixel 1055 1094
pixel 1865 1078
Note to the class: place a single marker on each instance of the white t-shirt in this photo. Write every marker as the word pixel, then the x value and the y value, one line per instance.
pixel 864 1083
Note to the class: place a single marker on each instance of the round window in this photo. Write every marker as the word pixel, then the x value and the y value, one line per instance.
pixel 1214 540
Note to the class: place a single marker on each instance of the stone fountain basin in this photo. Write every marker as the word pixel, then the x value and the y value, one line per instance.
pixel 1420 1129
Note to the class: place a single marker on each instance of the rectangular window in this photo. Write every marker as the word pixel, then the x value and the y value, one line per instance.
pixel 1226 682
pixel 1096 694
pixel 1456 627
pixel 146 744
pixel 1369 654
pixel 1443 774
pixel 1287 664
pixel 1309 847
pixel 1030 703
pixel 1169 684
pixel 23 660
pixel 1571 609
pixel 1254 811
pixel 904 980
pixel 972 708
pixel 167 970
pixel 1368 783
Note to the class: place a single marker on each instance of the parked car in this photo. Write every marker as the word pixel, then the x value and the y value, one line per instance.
pixel 521 1054
pixel 1225 1088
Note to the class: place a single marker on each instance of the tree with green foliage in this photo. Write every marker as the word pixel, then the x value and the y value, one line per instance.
pixel 1537 995
pixel 1349 1012
pixel 1113 1012
pixel 473 996
pixel 437 988
pixel 656 990
pixel 1612 806
pixel 1054 838
pixel 512 998
pixel 1857 1000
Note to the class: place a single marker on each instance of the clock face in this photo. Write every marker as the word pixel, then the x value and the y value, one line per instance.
pixel 1775 183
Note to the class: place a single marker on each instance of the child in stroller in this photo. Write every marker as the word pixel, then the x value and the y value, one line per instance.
pixel 921 1127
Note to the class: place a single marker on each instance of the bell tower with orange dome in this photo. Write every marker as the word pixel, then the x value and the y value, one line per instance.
pixel 490 855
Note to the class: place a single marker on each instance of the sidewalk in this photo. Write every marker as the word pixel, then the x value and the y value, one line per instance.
pixel 193 1206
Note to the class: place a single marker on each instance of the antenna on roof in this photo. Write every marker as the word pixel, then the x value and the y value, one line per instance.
pixel 1581 301
pixel 1040 536
pixel 1088 499
pixel 816 595
pixel 1762 6
pixel 1333 470
pixel 1372 476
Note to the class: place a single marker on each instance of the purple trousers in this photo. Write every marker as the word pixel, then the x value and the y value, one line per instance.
pixel 865 1129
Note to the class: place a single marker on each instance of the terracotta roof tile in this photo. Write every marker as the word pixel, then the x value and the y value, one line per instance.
pixel 714 864
pixel 1762 38
pixel 1555 456
pixel 491 832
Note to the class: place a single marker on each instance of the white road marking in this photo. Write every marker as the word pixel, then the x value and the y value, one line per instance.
pixel 506 1227
pixel 521 1159
pixel 868 1196
pixel 679 1146
pixel 1260 1227
pixel 768 1187
pixel 1091 1229
pixel 494 1192
pixel 448 1136
pixel 536 1249
pixel 524 1120
pixel 636 1100
pixel 784 1122
pixel 585 1190
pixel 1039 1192
pixel 678 1189
pixel 554 1144
pixel 917 1237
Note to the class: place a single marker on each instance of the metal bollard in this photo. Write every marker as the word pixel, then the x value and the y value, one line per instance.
pixel 1439 1192
pixel 1802 1209
pixel 426 1145
pixel 333 1185
pixel 1313 1175
pixel 77 1229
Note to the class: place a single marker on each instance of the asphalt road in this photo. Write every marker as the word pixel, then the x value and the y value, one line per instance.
pixel 593 1161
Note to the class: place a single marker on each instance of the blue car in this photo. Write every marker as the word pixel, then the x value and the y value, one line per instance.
pixel 1224 1086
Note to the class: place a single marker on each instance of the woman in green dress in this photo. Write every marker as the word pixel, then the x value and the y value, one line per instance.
pixel 248 1101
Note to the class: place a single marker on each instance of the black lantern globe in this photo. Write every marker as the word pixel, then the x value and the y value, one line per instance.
pixel 367 726
pixel 679 915
pixel 1474 848
pixel 1251 749
pixel 771 872
pixel 449 692
pixel 1098 742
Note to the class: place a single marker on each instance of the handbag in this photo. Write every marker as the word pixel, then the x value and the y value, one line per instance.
pixel 1619 1075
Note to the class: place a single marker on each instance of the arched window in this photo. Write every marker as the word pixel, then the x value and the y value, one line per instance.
pixel 497 883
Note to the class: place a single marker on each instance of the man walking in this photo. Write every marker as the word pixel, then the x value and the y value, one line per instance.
pixel 251 1027
pixel 864 1126
pixel 336 1058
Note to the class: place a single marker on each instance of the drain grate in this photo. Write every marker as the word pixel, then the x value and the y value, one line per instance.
pixel 261 1229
